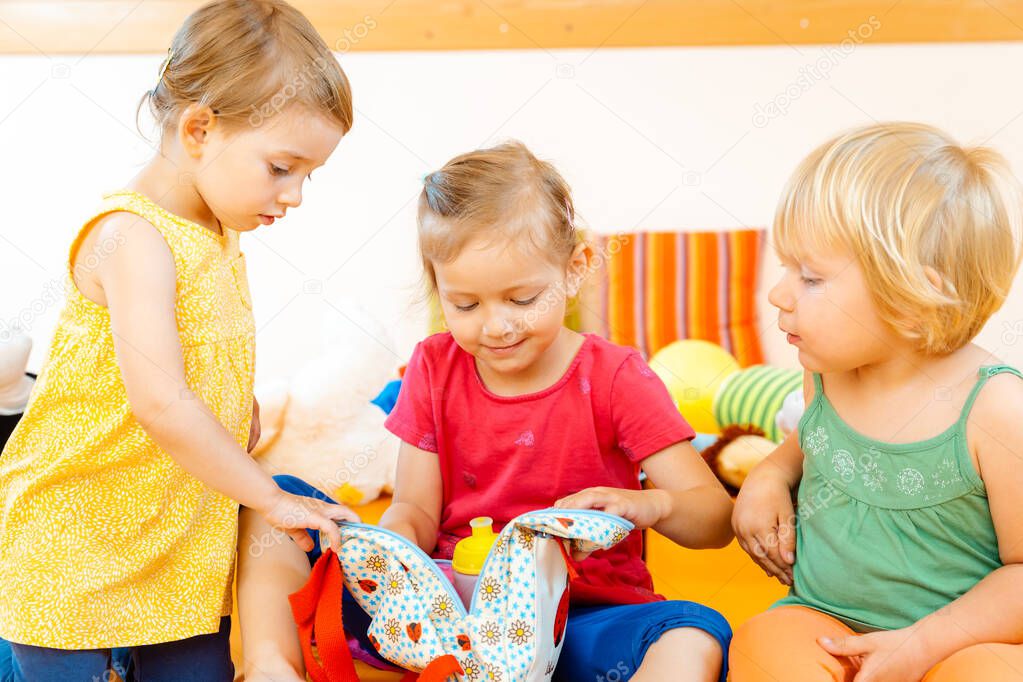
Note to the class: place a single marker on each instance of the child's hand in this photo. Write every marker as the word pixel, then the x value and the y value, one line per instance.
pixel 891 656
pixel 644 508
pixel 764 524
pixel 294 514
pixel 254 430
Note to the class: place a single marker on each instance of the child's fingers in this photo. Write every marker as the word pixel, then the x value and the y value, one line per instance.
pixel 301 538
pixel 762 557
pixel 747 542
pixel 339 512
pixel 565 502
pixel 784 569
pixel 772 544
pixel 592 498
pixel 580 500
pixel 329 527
pixel 787 542
pixel 855 645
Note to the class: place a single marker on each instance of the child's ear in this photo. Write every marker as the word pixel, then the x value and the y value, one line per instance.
pixel 194 127
pixel 578 268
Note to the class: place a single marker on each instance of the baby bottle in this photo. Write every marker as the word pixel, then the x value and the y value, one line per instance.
pixel 470 554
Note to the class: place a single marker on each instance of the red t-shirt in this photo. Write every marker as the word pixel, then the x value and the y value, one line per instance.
pixel 504 456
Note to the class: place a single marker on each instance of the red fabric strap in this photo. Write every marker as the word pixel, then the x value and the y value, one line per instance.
pixel 573 574
pixel 317 611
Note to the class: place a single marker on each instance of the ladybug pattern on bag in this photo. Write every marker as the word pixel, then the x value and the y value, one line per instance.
pixel 517 622
pixel 561 619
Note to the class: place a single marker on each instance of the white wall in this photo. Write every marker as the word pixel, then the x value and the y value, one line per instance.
pixel 649 139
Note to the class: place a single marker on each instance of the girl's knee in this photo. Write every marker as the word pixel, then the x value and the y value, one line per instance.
pixel 988 662
pixel 696 651
pixel 781 644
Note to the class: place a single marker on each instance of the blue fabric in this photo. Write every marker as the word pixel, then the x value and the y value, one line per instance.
pixel 608 643
pixel 602 643
pixel 388 397
pixel 204 658
pixel 6 662
pixel 704 441
pixel 296 486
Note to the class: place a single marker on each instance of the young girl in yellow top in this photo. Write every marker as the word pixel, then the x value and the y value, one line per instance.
pixel 906 555
pixel 119 490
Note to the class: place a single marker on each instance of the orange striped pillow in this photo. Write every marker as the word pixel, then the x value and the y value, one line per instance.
pixel 659 287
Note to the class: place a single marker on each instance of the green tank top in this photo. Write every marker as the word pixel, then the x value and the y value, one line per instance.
pixel 888 533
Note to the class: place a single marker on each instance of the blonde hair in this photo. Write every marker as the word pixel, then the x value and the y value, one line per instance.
pixel 246 60
pixel 905 198
pixel 503 193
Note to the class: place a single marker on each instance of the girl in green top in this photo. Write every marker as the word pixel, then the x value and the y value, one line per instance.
pixel 904 546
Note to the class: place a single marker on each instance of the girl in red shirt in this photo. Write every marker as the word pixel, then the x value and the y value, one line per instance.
pixel 510 411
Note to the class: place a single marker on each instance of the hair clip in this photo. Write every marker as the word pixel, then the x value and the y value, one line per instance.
pixel 166 63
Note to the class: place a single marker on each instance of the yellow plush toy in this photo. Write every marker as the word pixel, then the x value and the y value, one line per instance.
pixel 693 371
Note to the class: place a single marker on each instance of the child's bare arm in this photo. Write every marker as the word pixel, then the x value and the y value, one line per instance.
pixel 785 464
pixel 764 519
pixel 698 510
pixel 418 495
pixel 138 282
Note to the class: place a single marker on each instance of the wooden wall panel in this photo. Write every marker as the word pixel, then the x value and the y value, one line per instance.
pixel 134 26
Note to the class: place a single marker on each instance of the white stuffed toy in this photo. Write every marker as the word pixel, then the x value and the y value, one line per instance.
pixel 792 408
pixel 15 384
pixel 320 425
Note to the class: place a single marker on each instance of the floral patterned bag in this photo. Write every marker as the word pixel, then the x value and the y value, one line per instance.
pixel 513 631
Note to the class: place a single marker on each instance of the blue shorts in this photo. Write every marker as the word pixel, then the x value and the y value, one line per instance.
pixel 204 658
pixel 602 643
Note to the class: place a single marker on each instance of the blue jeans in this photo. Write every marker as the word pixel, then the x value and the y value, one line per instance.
pixel 602 643
pixel 204 658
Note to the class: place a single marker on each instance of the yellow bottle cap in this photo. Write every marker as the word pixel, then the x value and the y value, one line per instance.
pixel 471 552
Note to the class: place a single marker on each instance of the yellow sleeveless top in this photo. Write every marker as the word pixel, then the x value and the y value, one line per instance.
pixel 104 540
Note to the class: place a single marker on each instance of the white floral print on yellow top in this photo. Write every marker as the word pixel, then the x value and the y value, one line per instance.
pixel 106 541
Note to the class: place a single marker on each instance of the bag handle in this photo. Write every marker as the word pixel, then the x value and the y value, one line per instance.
pixel 317 611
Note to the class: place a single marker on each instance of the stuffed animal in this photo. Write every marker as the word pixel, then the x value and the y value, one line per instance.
pixel 320 423
pixel 15 384
pixel 732 456
pixel 693 371
pixel 791 412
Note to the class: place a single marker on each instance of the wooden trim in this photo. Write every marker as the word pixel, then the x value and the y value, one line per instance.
pixel 146 26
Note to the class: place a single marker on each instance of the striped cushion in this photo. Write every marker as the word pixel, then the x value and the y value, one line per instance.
pixel 660 287
pixel 754 397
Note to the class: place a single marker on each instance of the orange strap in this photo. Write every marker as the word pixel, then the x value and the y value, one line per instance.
pixel 317 611
pixel 573 574
pixel 438 671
